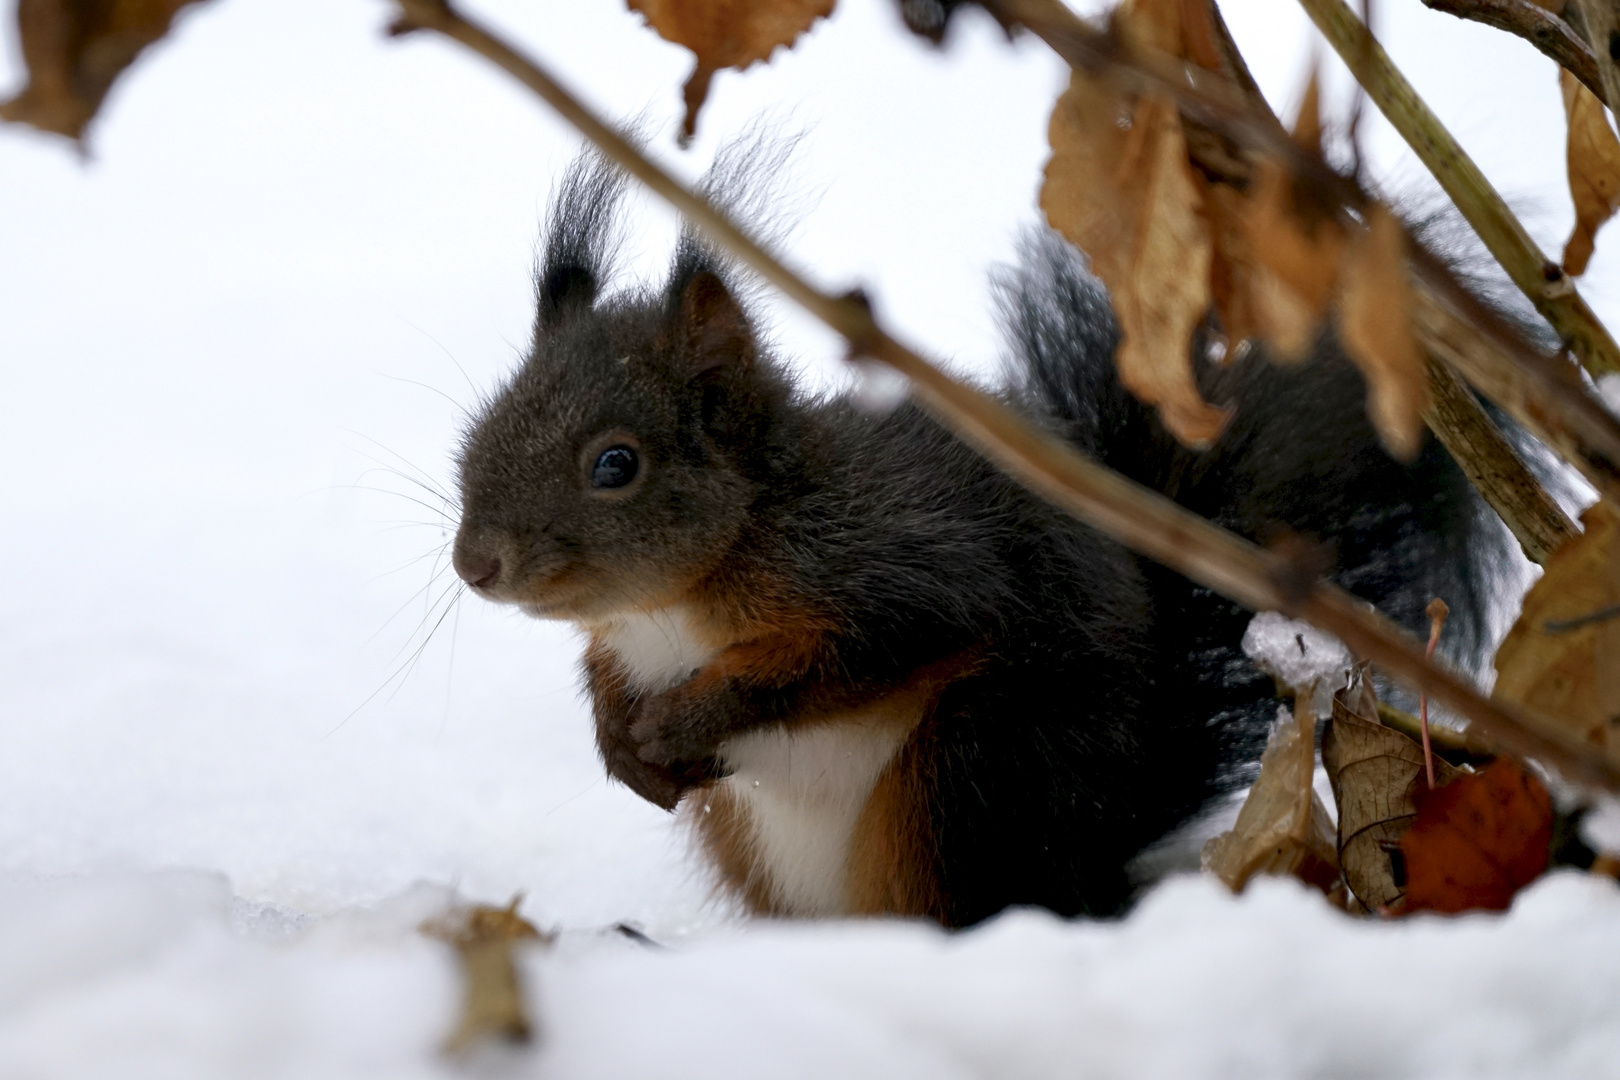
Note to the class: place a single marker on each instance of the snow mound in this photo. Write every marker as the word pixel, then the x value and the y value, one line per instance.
pixel 160 975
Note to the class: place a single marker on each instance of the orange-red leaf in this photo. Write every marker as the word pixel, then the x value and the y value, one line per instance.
pixel 1593 159
pixel 1477 840
pixel 727 34
pixel 74 50
pixel 1120 188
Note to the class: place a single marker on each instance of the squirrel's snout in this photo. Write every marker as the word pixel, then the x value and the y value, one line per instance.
pixel 480 569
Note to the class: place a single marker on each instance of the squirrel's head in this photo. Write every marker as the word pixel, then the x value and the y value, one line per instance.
pixel 618 465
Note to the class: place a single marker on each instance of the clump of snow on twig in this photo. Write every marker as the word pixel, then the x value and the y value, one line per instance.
pixel 1298 655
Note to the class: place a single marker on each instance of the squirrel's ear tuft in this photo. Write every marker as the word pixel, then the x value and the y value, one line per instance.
pixel 564 288
pixel 711 329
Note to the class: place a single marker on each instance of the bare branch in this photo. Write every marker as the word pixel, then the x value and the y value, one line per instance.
pixel 1540 27
pixel 1497 471
pixel 1142 519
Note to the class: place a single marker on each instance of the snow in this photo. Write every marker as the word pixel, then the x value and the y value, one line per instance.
pixel 250 738
pixel 158 974
pixel 1298 656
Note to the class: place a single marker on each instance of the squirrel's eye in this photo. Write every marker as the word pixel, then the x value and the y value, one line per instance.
pixel 615 467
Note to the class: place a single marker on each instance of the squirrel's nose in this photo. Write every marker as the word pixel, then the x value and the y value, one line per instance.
pixel 478 569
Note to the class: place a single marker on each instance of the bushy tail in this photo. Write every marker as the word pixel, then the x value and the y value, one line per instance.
pixel 1298 456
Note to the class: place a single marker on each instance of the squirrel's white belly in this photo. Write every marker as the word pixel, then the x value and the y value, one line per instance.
pixel 657 648
pixel 798 789
pixel 801 791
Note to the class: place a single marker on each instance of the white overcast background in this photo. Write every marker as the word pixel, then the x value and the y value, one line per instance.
pixel 295 252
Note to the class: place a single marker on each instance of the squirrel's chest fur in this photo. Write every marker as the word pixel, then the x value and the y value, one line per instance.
pixel 791 827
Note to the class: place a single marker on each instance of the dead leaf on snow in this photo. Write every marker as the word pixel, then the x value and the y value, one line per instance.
pixel 727 34
pixel 1283 828
pixel 1561 660
pixel 1119 187
pixel 492 1004
pixel 74 50
pixel 1375 326
pixel 1477 840
pixel 1593 161
pixel 1373 770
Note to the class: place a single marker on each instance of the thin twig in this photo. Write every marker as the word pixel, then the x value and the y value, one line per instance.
pixel 1540 27
pixel 1141 519
pixel 1548 287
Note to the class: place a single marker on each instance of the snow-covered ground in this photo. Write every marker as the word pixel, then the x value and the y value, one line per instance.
pixel 230 789
pixel 166 975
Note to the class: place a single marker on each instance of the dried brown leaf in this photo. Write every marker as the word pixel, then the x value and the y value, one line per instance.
pixel 74 50
pixel 1373 770
pixel 1477 840
pixel 1375 326
pixel 1288 256
pixel 1120 188
pixel 1282 829
pixel 1593 161
pixel 1561 660
pixel 727 34
pixel 492 1004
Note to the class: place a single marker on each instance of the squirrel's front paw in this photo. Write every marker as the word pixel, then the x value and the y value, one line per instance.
pixel 674 731
pixel 660 784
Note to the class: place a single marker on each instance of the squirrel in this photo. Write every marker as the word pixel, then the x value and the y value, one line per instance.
pixel 875 674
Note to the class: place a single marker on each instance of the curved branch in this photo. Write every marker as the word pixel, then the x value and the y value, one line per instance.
pixel 1540 27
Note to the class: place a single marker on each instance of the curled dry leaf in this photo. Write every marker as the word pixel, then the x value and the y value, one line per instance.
pixel 1561 660
pixel 1119 187
pixel 727 34
pixel 1477 840
pixel 1288 248
pixel 492 1006
pixel 1593 159
pixel 74 50
pixel 1375 327
pixel 1373 770
pixel 1283 828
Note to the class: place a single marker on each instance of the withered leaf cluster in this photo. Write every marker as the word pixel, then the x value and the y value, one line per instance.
pixel 1269 257
pixel 1470 843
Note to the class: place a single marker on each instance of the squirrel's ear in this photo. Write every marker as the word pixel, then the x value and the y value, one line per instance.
pixel 711 330
pixel 564 288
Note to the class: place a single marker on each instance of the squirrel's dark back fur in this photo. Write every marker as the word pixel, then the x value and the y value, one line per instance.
pixel 1094 701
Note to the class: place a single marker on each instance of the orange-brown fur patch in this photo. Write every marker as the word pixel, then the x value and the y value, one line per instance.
pixel 891 864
